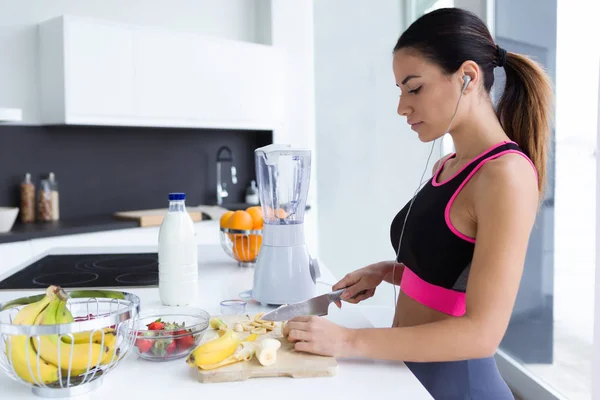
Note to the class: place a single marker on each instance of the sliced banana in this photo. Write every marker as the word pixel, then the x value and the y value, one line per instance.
pixel 259 331
pixel 266 351
pixel 258 316
pixel 238 327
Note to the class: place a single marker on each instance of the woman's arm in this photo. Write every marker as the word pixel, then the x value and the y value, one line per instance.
pixel 391 276
pixel 505 208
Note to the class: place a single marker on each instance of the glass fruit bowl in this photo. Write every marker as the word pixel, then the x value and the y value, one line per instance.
pixel 242 245
pixel 169 333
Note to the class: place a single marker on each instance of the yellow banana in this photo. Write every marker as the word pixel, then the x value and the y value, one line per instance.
pixel 96 336
pixel 246 353
pixel 74 357
pixel 216 350
pixel 20 350
pixel 64 316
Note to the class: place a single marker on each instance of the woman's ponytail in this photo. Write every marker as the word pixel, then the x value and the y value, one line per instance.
pixel 525 109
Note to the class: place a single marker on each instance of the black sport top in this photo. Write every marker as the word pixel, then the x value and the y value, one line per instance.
pixel 436 255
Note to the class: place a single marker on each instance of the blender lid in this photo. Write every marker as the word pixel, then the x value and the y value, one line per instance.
pixel 272 152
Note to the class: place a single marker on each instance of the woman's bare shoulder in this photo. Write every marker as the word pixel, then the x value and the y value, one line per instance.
pixel 511 175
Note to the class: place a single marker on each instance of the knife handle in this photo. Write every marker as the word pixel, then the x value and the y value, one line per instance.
pixel 337 295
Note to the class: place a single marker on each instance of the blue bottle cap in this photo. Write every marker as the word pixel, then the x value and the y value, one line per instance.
pixel 176 196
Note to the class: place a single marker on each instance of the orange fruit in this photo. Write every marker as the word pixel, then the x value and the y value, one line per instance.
pixel 257 217
pixel 255 242
pixel 224 218
pixel 275 214
pixel 246 247
pixel 280 212
pixel 240 220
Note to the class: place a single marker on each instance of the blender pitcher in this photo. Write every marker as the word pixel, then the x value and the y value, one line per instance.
pixel 284 272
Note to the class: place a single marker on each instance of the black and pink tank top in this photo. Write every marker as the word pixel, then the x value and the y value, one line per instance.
pixel 436 255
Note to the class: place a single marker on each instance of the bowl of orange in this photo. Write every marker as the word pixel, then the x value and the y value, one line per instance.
pixel 241 234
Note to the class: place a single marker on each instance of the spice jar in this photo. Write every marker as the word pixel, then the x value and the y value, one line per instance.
pixel 54 189
pixel 45 201
pixel 27 200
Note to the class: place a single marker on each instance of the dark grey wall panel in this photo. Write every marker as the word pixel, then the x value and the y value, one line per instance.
pixel 101 170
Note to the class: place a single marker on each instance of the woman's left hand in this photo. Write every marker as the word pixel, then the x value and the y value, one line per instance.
pixel 318 336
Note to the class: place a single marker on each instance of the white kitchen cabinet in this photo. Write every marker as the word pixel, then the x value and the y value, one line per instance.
pixel 189 79
pixel 104 73
pixel 86 71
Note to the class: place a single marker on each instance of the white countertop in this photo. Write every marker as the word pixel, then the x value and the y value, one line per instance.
pixel 221 278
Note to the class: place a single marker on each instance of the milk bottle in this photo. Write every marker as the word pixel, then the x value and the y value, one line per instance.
pixel 177 255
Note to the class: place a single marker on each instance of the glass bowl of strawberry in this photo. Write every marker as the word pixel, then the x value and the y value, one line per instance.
pixel 169 333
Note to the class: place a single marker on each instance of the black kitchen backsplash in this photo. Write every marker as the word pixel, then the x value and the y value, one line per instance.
pixel 101 170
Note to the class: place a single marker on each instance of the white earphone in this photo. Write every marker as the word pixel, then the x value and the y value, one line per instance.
pixel 466 80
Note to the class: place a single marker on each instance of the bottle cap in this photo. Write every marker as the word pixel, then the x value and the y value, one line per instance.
pixel 176 196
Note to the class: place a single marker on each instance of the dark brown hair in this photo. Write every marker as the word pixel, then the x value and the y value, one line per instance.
pixel 450 36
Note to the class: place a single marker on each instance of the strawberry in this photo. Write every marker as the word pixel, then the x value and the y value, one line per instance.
pixel 86 318
pixel 156 325
pixel 143 345
pixel 171 348
pixel 185 342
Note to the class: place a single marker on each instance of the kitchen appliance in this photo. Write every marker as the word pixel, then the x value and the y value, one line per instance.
pixel 316 306
pixel 284 273
pixel 87 271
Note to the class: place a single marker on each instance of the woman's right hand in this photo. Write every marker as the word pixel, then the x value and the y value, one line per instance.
pixel 360 284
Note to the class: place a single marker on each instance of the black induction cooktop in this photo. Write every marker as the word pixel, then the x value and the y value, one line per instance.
pixel 87 271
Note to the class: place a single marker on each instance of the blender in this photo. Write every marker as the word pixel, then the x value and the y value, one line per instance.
pixel 284 272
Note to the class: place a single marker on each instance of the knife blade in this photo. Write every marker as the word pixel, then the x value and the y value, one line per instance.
pixel 318 305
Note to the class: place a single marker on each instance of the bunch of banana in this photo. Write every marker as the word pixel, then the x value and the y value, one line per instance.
pixel 20 351
pixel 76 294
pixel 38 359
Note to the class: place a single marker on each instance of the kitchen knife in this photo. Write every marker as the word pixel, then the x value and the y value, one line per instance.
pixel 316 306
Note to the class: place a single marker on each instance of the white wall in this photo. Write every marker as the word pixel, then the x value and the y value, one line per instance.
pixel 19 82
pixel 293 34
pixel 596 357
pixel 369 160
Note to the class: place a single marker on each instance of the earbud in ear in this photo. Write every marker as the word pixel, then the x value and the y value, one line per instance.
pixel 467 79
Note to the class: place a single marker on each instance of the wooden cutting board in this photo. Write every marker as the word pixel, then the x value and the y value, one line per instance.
pixel 289 362
pixel 152 217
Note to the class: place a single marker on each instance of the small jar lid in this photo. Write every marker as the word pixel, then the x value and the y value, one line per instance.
pixel 233 306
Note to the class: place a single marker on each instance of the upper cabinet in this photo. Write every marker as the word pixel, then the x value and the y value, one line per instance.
pixel 102 73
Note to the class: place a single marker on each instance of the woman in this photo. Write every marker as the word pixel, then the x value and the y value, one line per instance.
pixel 464 240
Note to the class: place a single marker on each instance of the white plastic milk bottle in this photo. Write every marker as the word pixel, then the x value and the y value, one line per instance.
pixel 177 255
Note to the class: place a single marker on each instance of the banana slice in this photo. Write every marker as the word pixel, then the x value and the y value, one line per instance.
pixel 238 328
pixel 259 331
pixel 258 316
pixel 266 351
